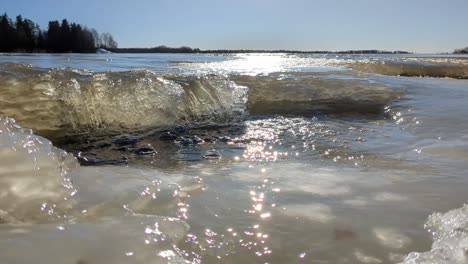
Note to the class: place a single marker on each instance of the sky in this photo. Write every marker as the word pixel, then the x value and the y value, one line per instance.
pixel 423 26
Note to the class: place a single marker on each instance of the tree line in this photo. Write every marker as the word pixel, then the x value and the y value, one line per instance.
pixel 23 35
pixel 159 49
pixel 185 49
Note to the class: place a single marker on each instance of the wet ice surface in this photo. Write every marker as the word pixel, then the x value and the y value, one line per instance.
pixel 362 188
pixel 54 211
pixel 129 239
pixel 312 207
pixel 327 188
pixel 322 185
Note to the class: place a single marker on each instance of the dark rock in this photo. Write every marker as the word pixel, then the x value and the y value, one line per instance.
pixel 225 139
pixel 86 148
pixel 212 154
pixel 197 140
pixel 69 140
pixel 124 140
pixel 167 136
pixel 179 129
pixel 88 161
pixel 184 141
pixel 103 145
pixel 240 141
pixel 122 149
pixel 146 150
pixel 208 139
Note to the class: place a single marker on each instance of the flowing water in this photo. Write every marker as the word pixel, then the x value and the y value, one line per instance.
pixel 248 158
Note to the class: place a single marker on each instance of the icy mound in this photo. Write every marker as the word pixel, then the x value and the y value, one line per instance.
pixel 308 96
pixel 33 176
pixel 450 233
pixel 102 223
pixel 57 101
pixel 424 68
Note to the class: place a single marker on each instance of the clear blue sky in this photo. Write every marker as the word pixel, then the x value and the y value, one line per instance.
pixel 413 25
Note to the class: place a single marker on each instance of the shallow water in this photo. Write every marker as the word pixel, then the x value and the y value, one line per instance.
pixel 251 158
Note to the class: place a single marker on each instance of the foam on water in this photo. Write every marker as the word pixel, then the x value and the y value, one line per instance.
pixel 364 258
pixel 391 238
pixel 314 212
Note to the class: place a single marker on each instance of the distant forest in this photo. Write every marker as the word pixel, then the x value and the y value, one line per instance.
pixel 184 49
pixel 23 35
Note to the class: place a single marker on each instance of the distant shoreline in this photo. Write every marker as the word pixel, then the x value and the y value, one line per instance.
pixel 175 51
pixel 241 51
pixel 188 50
pixel 163 49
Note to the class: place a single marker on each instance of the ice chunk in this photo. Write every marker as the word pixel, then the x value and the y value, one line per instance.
pixel 33 176
pixel 450 234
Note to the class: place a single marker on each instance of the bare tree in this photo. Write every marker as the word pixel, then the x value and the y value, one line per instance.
pixel 96 37
pixel 107 41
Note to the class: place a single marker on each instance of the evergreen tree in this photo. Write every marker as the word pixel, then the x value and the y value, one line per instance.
pixel 53 36
pixel 87 41
pixel 20 39
pixel 65 37
pixel 41 40
pixel 75 32
pixel 7 34
pixel 31 35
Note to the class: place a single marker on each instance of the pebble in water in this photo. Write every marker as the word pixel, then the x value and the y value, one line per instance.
pixel 167 136
pixel 122 149
pixel 189 141
pixel 88 161
pixel 184 141
pixel 124 140
pixel 212 154
pixel 225 139
pixel 146 150
pixel 197 140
